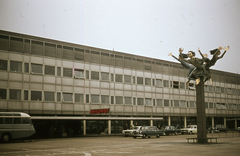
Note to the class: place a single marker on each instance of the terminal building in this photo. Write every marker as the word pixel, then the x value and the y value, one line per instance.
pixel 72 89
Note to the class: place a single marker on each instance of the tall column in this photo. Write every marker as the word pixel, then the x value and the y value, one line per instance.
pixel 109 127
pixel 169 120
pixel 212 121
pixel 84 127
pixel 201 115
pixel 185 121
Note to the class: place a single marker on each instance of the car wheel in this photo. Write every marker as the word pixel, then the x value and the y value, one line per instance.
pixel 149 137
pixel 6 137
pixel 134 137
pixel 144 136
pixel 158 136
pixel 176 133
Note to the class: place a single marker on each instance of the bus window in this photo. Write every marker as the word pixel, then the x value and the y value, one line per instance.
pixel 17 120
pixel 26 121
pixel 8 120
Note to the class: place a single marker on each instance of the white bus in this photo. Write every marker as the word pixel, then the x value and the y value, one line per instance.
pixel 15 125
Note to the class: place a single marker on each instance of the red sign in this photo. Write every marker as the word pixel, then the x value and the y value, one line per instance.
pixel 96 111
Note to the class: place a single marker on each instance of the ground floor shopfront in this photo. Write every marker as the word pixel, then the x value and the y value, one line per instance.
pixel 86 126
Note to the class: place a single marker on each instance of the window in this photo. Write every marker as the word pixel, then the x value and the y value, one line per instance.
pixel 3 65
pixel 36 68
pixel 159 82
pixel 191 86
pixel 15 94
pixel 112 99
pixel 127 79
pixel 147 81
pixel 134 101
pixel 140 101
pixel 67 97
pixel 140 80
pixel 26 67
pixel 59 73
pixel 223 105
pixel 222 90
pixel 104 99
pixel 217 89
pixel 87 74
pixel 176 103
pixel 166 103
pixel 210 105
pixel 79 98
pixel 165 83
pixel 175 84
pixel 148 102
pixel 49 96
pixel 104 76
pixel 67 72
pixel 159 103
pixel 112 77
pixel 118 78
pixel 210 88
pixel 58 97
pixel 26 121
pixel 183 103
pixel 25 94
pixel 95 98
pixel 218 106
pixel 3 93
pixel 192 104
pixel 229 90
pixel 94 75
pixel 119 100
pixel 49 70
pixel 17 120
pixel 153 82
pixel 128 100
pixel 78 73
pixel 182 85
pixel 133 80
pixel 87 98
pixel 16 66
pixel 206 105
pixel 36 95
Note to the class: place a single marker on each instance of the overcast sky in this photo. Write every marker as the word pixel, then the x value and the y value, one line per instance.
pixel 150 28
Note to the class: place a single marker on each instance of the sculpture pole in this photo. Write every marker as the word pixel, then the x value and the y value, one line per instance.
pixel 201 115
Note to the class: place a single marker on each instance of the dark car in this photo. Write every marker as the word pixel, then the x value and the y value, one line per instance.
pixel 222 128
pixel 147 131
pixel 171 130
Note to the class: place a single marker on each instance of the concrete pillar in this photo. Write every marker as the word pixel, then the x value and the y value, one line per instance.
pixel 109 127
pixel 201 115
pixel 235 123
pixel 185 121
pixel 169 120
pixel 225 122
pixel 84 127
pixel 131 123
pixel 212 121
pixel 151 122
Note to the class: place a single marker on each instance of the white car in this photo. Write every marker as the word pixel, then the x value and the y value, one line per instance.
pixel 129 132
pixel 190 129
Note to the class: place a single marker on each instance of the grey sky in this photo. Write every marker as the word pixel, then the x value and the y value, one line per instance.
pixel 151 28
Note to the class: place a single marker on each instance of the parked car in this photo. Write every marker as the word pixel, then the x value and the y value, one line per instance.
pixel 129 132
pixel 147 131
pixel 238 129
pixel 190 129
pixel 221 128
pixel 170 130
pixel 212 130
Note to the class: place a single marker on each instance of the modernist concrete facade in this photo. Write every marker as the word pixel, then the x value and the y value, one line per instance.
pixel 45 77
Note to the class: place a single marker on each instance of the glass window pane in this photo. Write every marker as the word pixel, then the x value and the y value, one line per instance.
pixel 166 103
pixel 104 76
pixel 16 66
pixel 128 100
pixel 192 104
pixel 158 82
pixel 67 97
pixel 49 96
pixel 118 78
pixel 36 68
pixel 58 97
pixel 15 94
pixel 49 70
pixel 3 65
pixel 36 95
pixel 140 101
pixel 3 93
pixel 148 102
pixel 165 83
pixel 183 103
pixel 119 100
pixel 105 99
pixel 95 98
pixel 159 103
pixel 147 81
pixel 79 98
pixel 67 72
pixel 140 80
pixel 78 73
pixel 59 73
pixel 94 75
pixel 127 79
pixel 25 94
pixel 176 103
pixel 26 67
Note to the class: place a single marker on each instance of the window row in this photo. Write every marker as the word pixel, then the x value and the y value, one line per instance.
pixel 47 96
